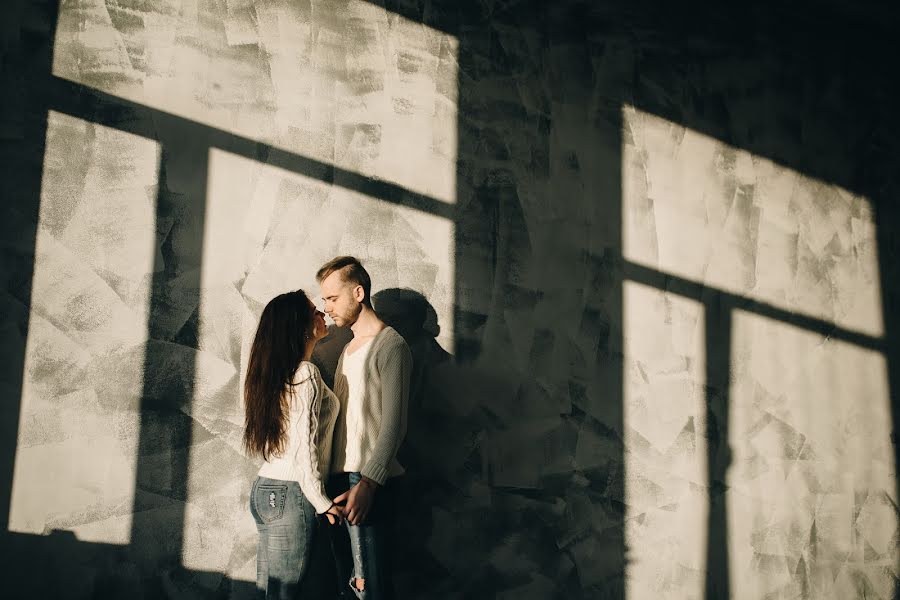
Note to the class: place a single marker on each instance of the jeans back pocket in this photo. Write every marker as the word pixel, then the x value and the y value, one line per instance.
pixel 269 501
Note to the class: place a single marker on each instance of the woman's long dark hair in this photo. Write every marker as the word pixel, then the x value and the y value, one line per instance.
pixel 278 348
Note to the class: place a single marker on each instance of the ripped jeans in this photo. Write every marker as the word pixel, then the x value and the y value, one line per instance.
pixel 361 551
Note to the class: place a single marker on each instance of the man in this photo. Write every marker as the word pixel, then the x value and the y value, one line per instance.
pixel 372 385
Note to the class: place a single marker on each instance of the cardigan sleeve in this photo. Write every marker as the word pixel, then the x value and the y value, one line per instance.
pixel 394 363
pixel 305 425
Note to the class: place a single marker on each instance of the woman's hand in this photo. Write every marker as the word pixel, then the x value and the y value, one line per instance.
pixel 335 515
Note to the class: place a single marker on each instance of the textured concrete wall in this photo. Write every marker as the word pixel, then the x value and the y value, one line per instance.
pixel 643 261
pixel 811 480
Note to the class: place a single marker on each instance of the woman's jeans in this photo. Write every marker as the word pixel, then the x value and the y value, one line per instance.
pixel 286 522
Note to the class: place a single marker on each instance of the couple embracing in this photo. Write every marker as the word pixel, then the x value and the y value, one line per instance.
pixel 328 455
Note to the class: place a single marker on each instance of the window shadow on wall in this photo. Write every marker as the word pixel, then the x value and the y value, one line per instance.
pixel 153 557
pixel 539 246
pixel 805 86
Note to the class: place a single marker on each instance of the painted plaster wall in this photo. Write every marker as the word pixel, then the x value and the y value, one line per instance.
pixel 664 338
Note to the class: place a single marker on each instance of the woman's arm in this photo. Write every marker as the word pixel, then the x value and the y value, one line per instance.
pixel 308 398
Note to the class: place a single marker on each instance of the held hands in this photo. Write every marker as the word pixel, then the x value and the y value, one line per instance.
pixel 335 514
pixel 359 501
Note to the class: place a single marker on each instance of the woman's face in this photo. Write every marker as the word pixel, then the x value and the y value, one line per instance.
pixel 319 328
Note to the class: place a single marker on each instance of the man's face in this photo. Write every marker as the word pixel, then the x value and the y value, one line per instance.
pixel 341 302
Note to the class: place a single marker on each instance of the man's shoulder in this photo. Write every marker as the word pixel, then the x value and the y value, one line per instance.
pixel 391 338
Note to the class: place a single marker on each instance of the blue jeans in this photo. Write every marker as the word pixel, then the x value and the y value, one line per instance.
pixel 369 552
pixel 286 522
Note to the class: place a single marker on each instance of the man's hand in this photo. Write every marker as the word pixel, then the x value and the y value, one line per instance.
pixel 359 500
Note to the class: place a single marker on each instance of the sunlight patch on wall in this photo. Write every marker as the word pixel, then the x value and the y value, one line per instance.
pixel 811 487
pixel 348 84
pixel 96 242
pixel 812 490
pixel 289 225
pixel 665 449
pixel 723 217
pixel 267 231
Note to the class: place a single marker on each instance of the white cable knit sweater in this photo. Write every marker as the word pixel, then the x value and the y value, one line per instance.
pixel 307 455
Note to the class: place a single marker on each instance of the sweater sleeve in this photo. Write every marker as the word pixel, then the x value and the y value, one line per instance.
pixel 308 397
pixel 394 364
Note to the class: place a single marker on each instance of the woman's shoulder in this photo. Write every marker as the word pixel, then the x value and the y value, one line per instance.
pixel 306 372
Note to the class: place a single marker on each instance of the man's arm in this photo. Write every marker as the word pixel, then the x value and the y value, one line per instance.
pixel 395 367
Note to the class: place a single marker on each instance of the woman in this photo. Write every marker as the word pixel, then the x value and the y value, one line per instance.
pixel 290 416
